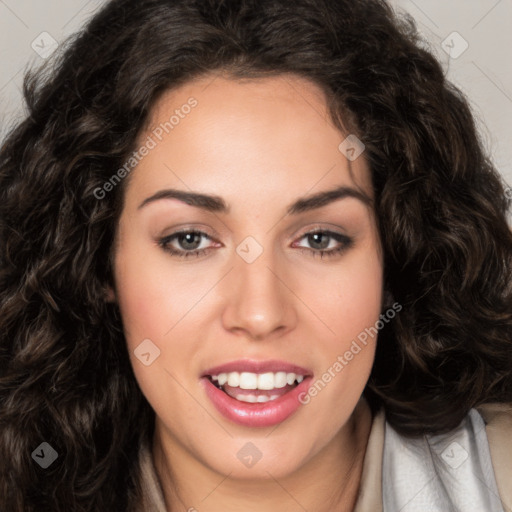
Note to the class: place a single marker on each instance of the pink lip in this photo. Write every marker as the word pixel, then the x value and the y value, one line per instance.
pixel 248 365
pixel 256 414
pixel 263 414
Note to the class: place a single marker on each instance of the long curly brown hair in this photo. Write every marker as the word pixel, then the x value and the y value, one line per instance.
pixel 65 375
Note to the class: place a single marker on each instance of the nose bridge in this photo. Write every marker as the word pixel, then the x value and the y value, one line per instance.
pixel 259 303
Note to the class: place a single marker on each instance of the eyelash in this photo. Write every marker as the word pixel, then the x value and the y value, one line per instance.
pixel 345 241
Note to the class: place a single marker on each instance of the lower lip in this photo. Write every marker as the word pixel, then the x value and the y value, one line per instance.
pixel 256 414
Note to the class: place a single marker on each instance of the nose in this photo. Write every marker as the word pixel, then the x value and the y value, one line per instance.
pixel 259 301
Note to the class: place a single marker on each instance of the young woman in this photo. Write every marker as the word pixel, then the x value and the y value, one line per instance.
pixel 253 257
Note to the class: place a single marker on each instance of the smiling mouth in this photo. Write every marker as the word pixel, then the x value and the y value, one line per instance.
pixel 256 388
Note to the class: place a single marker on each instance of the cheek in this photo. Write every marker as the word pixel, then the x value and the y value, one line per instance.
pixel 146 290
pixel 351 309
pixel 141 301
pixel 156 303
pixel 352 300
pixel 145 300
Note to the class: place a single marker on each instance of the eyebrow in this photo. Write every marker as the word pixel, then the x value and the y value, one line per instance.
pixel 216 204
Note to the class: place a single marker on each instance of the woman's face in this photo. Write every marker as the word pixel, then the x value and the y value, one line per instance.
pixel 258 297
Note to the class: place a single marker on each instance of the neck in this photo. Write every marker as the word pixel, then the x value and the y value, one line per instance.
pixel 334 474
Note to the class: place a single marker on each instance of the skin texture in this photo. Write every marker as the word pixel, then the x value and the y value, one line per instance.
pixel 260 145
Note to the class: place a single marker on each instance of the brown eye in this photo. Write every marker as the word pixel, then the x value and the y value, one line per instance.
pixel 187 243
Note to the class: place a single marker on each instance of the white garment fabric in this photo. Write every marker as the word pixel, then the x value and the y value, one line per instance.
pixel 450 472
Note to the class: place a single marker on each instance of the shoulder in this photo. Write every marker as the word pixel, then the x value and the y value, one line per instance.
pixel 464 469
pixel 498 425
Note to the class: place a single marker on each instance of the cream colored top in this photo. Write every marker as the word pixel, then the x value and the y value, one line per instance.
pixel 497 419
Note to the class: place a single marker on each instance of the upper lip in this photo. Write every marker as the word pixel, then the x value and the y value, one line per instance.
pixel 253 366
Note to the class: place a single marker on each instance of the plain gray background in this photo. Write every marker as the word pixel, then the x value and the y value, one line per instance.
pixel 483 70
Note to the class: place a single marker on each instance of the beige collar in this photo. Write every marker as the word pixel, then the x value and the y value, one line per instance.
pixel 152 494
pixel 370 488
pixel 498 426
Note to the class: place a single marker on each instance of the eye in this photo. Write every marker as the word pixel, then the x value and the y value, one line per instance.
pixel 188 241
pixel 320 240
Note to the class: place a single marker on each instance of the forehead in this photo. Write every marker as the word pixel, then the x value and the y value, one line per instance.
pixel 273 135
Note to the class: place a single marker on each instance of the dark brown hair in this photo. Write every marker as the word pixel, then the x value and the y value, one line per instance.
pixel 65 376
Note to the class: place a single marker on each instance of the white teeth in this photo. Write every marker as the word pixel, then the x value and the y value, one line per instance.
pixel 233 379
pixel 263 381
pixel 247 398
pixel 290 378
pixel 255 398
pixel 248 381
pixel 266 381
pixel 281 378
